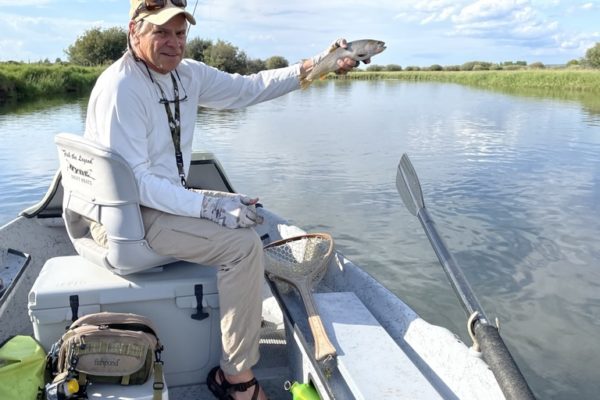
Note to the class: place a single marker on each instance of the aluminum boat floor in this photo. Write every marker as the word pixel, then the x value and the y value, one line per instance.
pixel 272 371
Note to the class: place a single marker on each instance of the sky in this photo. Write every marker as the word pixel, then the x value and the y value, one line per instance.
pixel 417 33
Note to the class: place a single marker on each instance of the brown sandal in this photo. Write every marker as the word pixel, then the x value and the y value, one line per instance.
pixel 223 390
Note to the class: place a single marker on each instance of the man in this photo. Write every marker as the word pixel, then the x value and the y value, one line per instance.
pixel 144 106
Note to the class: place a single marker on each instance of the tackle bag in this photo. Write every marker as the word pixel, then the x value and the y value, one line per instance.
pixel 106 347
pixel 22 366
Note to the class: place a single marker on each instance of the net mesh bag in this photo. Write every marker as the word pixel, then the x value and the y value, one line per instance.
pixel 300 257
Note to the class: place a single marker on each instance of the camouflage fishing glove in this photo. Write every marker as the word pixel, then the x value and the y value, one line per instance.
pixel 229 210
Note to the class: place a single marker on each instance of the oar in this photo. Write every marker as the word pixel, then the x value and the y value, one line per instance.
pixel 485 335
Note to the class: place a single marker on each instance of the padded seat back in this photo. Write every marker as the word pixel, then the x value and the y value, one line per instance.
pixel 100 186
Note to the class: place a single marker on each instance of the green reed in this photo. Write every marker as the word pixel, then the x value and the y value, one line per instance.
pixel 29 81
pixel 548 79
pixel 20 81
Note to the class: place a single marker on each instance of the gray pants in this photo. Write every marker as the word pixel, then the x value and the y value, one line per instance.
pixel 238 253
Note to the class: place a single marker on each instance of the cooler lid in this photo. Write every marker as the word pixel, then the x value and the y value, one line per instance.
pixel 62 277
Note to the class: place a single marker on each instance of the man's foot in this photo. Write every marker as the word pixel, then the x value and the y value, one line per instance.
pixel 242 386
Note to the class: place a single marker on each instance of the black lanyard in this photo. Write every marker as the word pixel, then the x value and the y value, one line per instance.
pixel 174 122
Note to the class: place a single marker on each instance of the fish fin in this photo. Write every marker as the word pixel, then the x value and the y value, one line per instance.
pixel 304 83
pixel 333 48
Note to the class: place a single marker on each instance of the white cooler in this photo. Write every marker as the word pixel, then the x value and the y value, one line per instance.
pixel 101 391
pixel 167 295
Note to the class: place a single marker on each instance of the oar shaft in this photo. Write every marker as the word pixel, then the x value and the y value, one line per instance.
pixel 453 272
pixel 494 350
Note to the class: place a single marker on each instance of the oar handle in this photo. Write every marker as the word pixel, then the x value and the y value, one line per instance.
pixel 502 364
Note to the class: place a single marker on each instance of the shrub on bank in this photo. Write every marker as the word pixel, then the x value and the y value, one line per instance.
pixel 25 81
pixel 393 67
pixel 375 68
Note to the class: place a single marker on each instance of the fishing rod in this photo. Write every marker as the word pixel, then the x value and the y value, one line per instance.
pixel 486 337
pixel 193 15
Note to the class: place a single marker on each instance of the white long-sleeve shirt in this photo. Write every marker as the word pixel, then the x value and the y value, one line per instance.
pixel 124 113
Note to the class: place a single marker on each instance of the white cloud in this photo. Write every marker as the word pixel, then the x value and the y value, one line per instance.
pixel 23 3
pixel 497 29
pixel 14 47
pixel 440 15
pixel 501 21
pixel 580 42
pixel 485 10
pixel 262 38
pixel 424 12
pixel 37 38
pixel 418 32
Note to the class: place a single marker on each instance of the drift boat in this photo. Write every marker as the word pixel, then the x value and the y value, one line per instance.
pixel 384 350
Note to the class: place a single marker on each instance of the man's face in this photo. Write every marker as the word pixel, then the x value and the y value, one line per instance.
pixel 162 47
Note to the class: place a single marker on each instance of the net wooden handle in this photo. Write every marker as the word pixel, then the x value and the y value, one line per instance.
pixel 323 346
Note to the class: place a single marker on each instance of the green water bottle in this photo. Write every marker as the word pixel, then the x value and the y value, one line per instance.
pixel 302 391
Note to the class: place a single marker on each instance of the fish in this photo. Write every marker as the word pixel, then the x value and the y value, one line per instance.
pixel 358 50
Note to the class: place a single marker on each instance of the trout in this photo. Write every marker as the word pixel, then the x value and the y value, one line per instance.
pixel 358 50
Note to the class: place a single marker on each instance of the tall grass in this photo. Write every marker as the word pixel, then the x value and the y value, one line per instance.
pixel 28 81
pixel 550 79
pixel 20 81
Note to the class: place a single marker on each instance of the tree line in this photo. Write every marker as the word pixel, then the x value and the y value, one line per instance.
pixel 103 46
pixel 97 47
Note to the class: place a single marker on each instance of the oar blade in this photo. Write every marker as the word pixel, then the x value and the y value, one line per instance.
pixel 408 185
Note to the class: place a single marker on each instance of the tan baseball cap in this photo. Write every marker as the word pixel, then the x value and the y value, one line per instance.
pixel 159 16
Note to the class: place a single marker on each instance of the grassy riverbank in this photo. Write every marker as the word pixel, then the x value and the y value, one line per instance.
pixel 20 82
pixel 549 79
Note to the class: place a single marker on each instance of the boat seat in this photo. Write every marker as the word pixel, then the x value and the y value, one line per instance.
pixel 99 186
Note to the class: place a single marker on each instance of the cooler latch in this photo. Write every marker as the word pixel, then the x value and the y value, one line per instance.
pixel 200 314
pixel 74 304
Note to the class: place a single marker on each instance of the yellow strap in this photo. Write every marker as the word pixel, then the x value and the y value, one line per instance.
pixel 158 381
pixel 82 379
pixel 125 379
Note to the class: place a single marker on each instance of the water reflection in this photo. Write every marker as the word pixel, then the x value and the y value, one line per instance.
pixel 510 179
pixel 589 101
pixel 41 104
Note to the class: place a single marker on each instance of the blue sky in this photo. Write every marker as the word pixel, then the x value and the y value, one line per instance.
pixel 421 33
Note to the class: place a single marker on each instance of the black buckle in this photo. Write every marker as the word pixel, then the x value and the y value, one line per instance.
pixel 199 293
pixel 74 303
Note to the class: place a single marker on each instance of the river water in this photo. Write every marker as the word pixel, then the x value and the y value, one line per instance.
pixel 511 180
